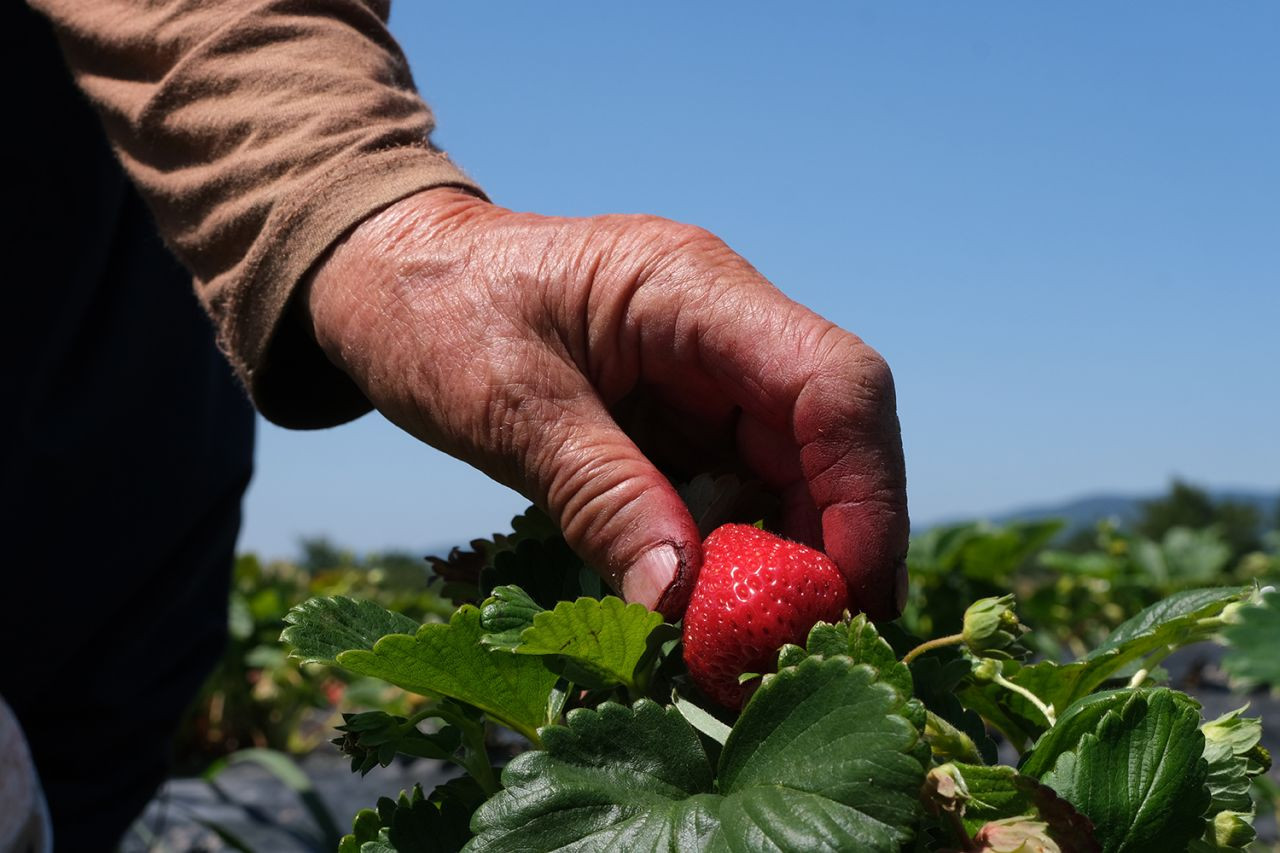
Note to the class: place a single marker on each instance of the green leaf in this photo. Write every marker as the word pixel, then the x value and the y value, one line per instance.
pixel 818 760
pixel 700 719
pixel 995 793
pixel 413 823
pixel 1079 719
pixel 1172 615
pixel 829 727
pixel 858 639
pixel 1234 757
pixel 789 655
pixel 595 643
pixel 375 738
pixel 949 743
pixel 1019 720
pixel 979 551
pixel 547 570
pixel 716 500
pixel 609 776
pixel 1059 685
pixel 1000 793
pixel 1141 777
pixel 504 615
pixel 1184 556
pixel 1232 752
pixel 936 677
pixel 365 827
pixel 1253 642
pixel 1181 619
pixel 448 660
pixel 534 524
pixel 321 628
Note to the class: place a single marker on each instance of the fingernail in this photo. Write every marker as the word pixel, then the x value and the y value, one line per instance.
pixel 901 586
pixel 650 576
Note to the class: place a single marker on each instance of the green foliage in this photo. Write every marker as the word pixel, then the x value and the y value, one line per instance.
pixel 1235 758
pixel 858 640
pixel 1080 718
pixel 322 628
pixel 595 643
pixel 376 738
pixel 1182 619
pixel 414 823
pixel 257 697
pixel 447 661
pixel 1077 590
pixel 1191 508
pixel 469 575
pixel 953 566
pixel 1140 778
pixel 619 778
pixel 864 738
pixel 1254 640
pixel 504 616
pixel 991 794
pixel 716 500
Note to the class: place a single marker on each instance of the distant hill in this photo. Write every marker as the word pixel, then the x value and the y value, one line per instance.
pixel 1089 510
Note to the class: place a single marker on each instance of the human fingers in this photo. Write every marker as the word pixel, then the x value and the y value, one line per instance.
pixel 818 412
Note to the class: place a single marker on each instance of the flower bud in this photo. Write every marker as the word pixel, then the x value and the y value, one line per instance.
pixel 992 629
pixel 945 790
pixel 986 670
pixel 1232 830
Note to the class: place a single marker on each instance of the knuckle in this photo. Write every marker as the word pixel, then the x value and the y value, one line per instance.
pixel 598 499
pixel 679 251
pixel 862 374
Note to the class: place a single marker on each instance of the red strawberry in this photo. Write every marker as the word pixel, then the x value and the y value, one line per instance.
pixel 756 592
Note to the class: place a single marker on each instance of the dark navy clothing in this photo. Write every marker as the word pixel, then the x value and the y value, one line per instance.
pixel 125 447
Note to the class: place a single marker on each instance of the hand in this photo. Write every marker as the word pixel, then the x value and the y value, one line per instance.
pixel 518 342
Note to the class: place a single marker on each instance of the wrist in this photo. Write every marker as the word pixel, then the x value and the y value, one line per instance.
pixel 342 296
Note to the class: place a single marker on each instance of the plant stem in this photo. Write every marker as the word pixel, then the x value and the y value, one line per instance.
pixel 958 832
pixel 425 713
pixel 930 645
pixel 1028 695
pixel 1152 662
pixel 949 739
pixel 475 758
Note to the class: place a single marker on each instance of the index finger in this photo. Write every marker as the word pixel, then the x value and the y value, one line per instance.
pixel 819 422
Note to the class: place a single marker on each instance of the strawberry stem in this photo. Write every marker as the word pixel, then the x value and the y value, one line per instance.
pixel 930 645
pixel 1041 706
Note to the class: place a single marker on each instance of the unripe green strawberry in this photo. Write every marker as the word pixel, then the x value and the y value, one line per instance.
pixel 992 629
pixel 756 592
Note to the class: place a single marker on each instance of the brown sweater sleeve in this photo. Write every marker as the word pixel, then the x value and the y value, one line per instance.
pixel 259 132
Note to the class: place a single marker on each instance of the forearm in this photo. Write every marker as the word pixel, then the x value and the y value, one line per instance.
pixel 259 135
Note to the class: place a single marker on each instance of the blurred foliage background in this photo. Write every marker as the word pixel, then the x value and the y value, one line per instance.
pixel 257 698
pixel 1073 587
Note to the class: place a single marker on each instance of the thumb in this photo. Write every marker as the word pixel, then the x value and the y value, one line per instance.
pixel 617 511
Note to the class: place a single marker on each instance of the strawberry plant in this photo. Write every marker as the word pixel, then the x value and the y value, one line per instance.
pixel 850 736
pixel 256 697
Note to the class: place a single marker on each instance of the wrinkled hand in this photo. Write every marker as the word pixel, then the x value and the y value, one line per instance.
pixel 513 341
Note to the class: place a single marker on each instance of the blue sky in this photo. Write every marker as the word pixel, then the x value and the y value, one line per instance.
pixel 1059 223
